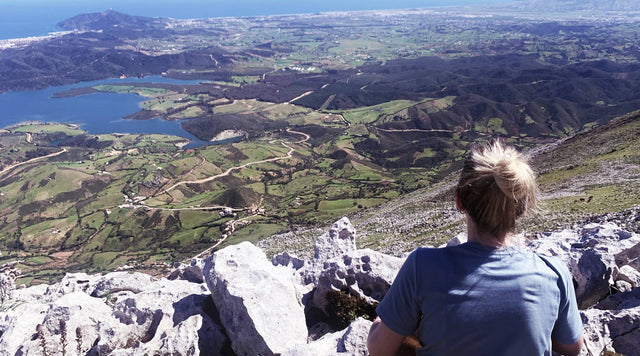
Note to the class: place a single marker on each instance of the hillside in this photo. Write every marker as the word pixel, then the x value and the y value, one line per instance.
pixel 591 176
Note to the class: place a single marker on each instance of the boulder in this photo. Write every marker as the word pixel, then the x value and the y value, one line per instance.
pixel 457 240
pixel 121 281
pixel 340 240
pixel 630 275
pixel 354 339
pixel 613 325
pixel 191 272
pixel 339 266
pixel 259 307
pixel 7 286
pixel 169 317
pixel 594 253
pixel 363 273
pixel 350 341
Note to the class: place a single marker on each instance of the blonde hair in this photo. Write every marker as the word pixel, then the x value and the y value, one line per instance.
pixel 496 187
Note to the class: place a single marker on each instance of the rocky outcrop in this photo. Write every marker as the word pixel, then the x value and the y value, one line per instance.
pixel 237 302
pixel 603 260
pixel 258 304
pixel 111 314
pixel 339 266
pixel 595 254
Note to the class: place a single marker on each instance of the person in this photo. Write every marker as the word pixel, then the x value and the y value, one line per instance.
pixel 488 296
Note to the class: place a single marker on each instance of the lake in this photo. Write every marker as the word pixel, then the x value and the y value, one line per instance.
pixel 96 113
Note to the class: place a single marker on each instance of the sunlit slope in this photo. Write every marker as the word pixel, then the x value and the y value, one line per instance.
pixel 585 177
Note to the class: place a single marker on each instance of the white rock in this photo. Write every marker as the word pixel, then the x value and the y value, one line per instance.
pixel 191 272
pixel 7 286
pixel 122 281
pixel 364 273
pixel 258 304
pixel 629 275
pixel 354 339
pixel 613 330
pixel 594 254
pixel 18 325
pixel 350 341
pixel 340 240
pixel 459 239
pixel 66 318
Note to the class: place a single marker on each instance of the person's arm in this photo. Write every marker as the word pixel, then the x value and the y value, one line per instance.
pixel 567 349
pixel 568 326
pixel 383 341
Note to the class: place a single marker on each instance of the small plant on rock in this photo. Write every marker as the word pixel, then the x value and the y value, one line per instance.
pixel 343 308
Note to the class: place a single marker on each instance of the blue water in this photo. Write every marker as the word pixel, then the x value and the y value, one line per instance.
pixel 96 113
pixel 102 112
pixel 23 18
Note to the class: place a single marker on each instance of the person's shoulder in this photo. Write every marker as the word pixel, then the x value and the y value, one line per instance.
pixel 425 257
pixel 425 252
pixel 555 263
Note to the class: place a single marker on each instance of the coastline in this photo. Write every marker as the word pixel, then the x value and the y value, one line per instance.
pixel 25 41
pixel 43 123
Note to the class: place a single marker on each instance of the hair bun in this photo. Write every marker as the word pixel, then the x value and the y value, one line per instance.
pixel 496 186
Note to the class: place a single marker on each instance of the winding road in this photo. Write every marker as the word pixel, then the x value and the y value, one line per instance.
pixel 228 171
pixel 8 168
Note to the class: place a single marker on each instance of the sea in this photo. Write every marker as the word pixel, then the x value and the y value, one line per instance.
pixel 24 18
pixel 103 112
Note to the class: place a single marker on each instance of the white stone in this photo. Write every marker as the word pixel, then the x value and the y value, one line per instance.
pixel 594 254
pixel 459 239
pixel 122 281
pixel 258 304
pixel 364 273
pixel 340 240
pixel 629 275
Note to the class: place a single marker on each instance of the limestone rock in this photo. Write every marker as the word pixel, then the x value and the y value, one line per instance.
pixel 457 240
pixel 340 240
pixel 259 307
pixel 169 317
pixel 630 275
pixel 122 281
pixel 594 254
pixel 363 273
pixel 287 260
pixel 354 339
pixel 350 341
pixel 613 325
pixel 297 267
pixel 339 265
pixel 191 272
pixel 7 286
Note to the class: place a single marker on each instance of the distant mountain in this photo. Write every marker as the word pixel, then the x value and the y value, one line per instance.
pixel 106 20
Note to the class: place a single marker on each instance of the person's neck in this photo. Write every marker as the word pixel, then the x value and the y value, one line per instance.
pixel 483 238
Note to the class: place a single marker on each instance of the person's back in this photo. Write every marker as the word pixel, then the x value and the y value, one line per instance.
pixel 486 296
pixel 463 300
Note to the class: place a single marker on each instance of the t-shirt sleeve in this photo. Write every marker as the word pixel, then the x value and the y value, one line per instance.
pixel 399 309
pixel 568 327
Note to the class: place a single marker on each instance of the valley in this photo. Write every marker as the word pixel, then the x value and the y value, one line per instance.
pixel 313 117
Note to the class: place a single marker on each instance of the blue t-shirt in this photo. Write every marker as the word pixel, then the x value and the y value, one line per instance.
pixel 471 299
